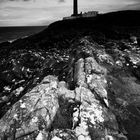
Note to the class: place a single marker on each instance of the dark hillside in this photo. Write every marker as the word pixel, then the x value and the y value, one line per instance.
pixel 107 24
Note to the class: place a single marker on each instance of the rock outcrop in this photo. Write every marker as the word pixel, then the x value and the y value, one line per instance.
pixel 90 104
pixel 74 85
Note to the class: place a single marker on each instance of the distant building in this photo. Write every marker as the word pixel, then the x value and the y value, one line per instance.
pixel 83 15
pixel 90 14
pixel 70 17
pixel 75 14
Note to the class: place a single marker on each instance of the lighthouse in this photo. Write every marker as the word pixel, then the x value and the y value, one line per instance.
pixel 75 14
pixel 75 7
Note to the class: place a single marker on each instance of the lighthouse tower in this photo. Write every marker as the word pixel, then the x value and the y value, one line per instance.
pixel 75 11
pixel 75 7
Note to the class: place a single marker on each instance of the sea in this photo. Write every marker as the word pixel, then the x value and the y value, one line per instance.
pixel 13 33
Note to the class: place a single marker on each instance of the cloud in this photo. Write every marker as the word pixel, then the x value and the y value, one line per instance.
pixel 132 6
pixel 26 0
pixel 61 0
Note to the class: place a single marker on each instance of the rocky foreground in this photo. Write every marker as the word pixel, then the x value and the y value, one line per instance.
pixel 67 87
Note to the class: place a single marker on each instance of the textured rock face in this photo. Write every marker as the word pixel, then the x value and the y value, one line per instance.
pixel 92 94
pixel 95 98
pixel 34 111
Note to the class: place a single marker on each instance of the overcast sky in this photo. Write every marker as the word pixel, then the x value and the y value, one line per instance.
pixel 43 12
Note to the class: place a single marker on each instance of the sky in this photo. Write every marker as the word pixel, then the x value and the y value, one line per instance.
pixel 44 12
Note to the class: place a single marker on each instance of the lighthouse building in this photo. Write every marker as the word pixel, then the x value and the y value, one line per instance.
pixel 75 14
